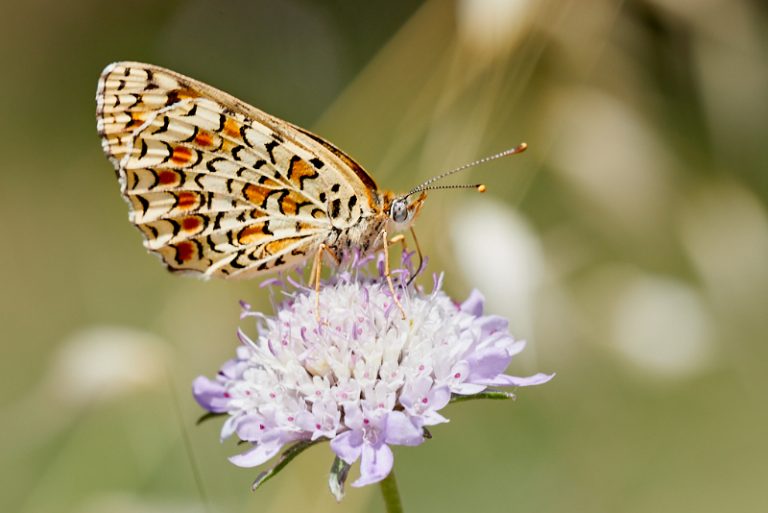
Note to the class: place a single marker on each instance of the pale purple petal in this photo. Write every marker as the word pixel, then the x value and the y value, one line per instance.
pixel 407 261
pixel 348 446
pixel 307 422
pixel 516 347
pixel 380 265
pixel 439 397
pixel 432 418
pixel 353 417
pixel 243 354
pixel 504 380
pixel 230 369
pixel 474 303
pixel 459 371
pixel 210 395
pixel 228 428
pixel 401 431
pixel 487 364
pixel 437 283
pixel 250 428
pixel 375 464
pixel 492 324
pixel 245 339
pixel 262 453
pixel 414 390
pixel 467 388
pixel 271 282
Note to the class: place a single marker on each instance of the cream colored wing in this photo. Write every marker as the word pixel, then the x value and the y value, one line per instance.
pixel 219 187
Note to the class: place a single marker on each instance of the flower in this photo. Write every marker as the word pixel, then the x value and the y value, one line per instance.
pixel 344 365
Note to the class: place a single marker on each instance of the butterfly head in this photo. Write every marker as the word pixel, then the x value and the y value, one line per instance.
pixel 403 209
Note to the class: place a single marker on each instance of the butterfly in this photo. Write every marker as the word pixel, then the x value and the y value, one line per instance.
pixel 220 188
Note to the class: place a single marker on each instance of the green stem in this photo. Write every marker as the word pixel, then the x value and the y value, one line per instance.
pixel 391 494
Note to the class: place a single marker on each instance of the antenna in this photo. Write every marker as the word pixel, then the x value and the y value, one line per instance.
pixel 480 187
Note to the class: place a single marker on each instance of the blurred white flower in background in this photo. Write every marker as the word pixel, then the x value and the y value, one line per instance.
pixel 724 230
pixel 492 27
pixel 104 362
pixel 92 366
pixel 95 364
pixel 662 326
pixel 612 159
pixel 500 253
pixel 658 325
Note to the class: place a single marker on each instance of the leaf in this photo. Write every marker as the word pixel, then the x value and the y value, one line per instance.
pixel 285 459
pixel 337 478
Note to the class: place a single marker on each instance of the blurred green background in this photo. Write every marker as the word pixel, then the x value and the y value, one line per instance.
pixel 629 246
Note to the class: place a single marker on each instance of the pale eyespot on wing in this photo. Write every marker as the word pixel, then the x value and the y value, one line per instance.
pixel 221 188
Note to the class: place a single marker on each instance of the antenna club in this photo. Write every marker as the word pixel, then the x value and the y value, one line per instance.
pixel 426 186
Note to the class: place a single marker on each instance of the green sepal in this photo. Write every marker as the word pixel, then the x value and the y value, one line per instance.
pixel 208 416
pixel 487 394
pixel 337 477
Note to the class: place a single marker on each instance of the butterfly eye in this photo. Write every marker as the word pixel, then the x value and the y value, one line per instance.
pixel 399 211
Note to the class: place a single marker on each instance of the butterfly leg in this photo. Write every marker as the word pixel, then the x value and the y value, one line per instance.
pixel 401 239
pixel 421 257
pixel 317 267
pixel 388 275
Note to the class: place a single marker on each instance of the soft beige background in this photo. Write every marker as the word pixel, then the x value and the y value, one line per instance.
pixel 629 245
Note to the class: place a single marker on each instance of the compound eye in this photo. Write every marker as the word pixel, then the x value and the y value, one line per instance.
pixel 399 213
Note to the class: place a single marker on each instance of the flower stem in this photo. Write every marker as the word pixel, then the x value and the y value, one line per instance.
pixel 391 494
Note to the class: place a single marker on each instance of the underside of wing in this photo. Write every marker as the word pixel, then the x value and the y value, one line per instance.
pixel 216 186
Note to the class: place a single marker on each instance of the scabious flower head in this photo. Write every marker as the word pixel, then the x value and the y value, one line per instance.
pixel 344 365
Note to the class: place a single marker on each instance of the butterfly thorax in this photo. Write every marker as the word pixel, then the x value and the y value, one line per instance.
pixel 366 234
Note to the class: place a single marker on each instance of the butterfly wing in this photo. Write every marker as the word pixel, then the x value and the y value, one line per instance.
pixel 217 186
